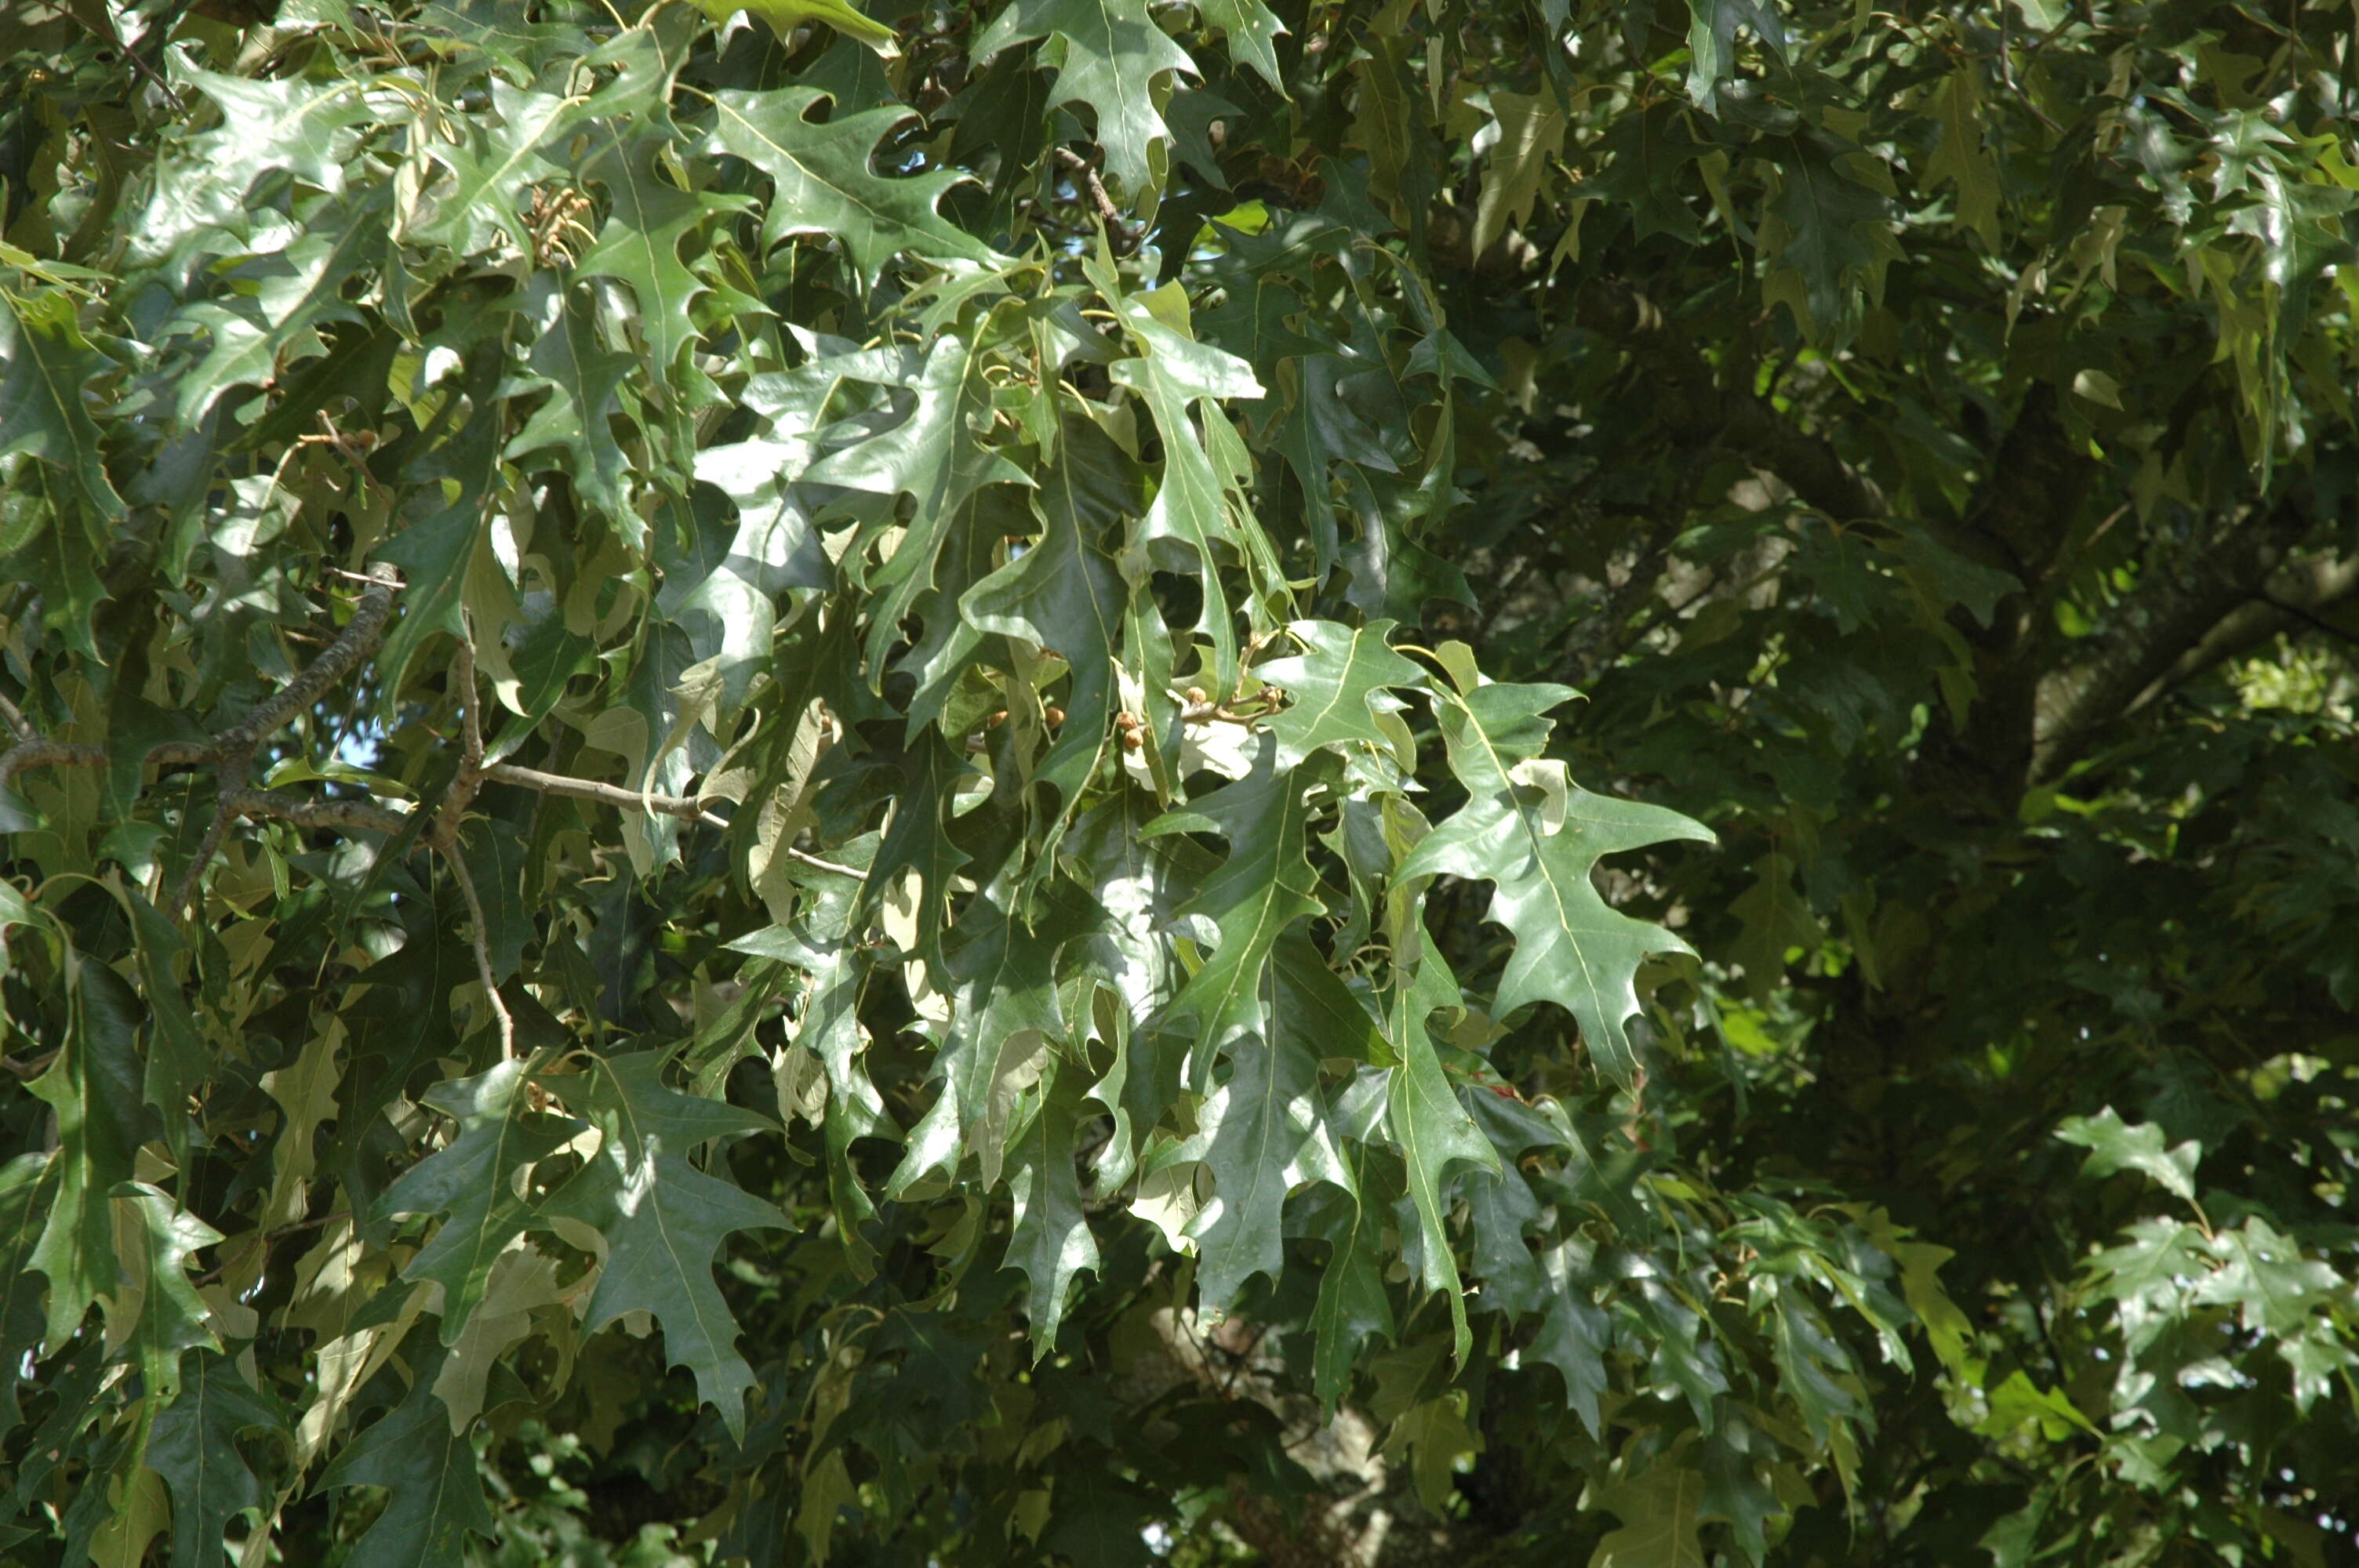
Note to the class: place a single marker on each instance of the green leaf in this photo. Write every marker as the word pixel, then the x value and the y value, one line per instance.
pixel 523 1280
pixel 646 219
pixel 438 1497
pixel 785 15
pixel 662 1219
pixel 1825 240
pixel 1262 1133
pixel 1575 1334
pixel 1112 56
pixel 177 1061
pixel 2148 1278
pixel 917 839
pixel 284 299
pixel 1006 1012
pixel 45 366
pixel 1353 1306
pixel 493 170
pixel 1536 837
pixel 2018 1401
pixel 543 658
pixel 473 1182
pixel 732 614
pixel 1252 29
pixel 1049 1240
pixel 1649 174
pixel 1255 321
pixel 28 1189
pixel 1818 1372
pixel 1262 889
pixel 1960 159
pixel 933 456
pixel 1946 1326
pixel 2266 1276
pixel 1531 137
pixel 1388 125
pixel 1711 43
pixel 1660 1511
pixel 436 549
pixel 822 180
pixel 193 1444
pixel 1336 688
pixel 305 127
pixel 2316 1357
pixel 2114 1145
pixel 585 381
pixel 1773 920
pixel 1433 1131
pixel 93 1090
pixel 1741 1463
pixel 1437 1441
pixel 159 1313
pixel 822 942
pixel 1065 594
pixel 1191 507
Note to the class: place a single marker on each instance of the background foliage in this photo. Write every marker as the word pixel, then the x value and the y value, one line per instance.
pixel 806 789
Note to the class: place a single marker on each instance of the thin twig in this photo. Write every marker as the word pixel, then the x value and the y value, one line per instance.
pixel 816 864
pixel 15 719
pixel 207 848
pixel 218 1269
pixel 470 782
pixel 479 940
pixel 32 1069
pixel 444 834
pixel 605 794
pixel 1121 237
pixel 2315 623
pixel 107 37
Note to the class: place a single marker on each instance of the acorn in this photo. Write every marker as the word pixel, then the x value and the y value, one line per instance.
pixel 1054 715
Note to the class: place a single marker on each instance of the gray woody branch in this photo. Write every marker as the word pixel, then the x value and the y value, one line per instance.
pixel 2241 586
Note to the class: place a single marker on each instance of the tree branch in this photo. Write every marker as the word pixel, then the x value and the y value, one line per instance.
pixel 341 816
pixel 2291 597
pixel 2181 621
pixel 355 642
pixel 2035 484
pixel 235 746
pixel 1698 412
pixel 36 752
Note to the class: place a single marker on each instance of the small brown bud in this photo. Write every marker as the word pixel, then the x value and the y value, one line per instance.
pixel 1125 721
pixel 997 720
pixel 1132 739
pixel 1196 695
pixel 1054 715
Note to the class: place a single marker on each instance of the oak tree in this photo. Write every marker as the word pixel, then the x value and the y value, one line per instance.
pixel 1361 782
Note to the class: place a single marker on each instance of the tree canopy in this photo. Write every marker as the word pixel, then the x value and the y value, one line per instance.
pixel 1358 782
